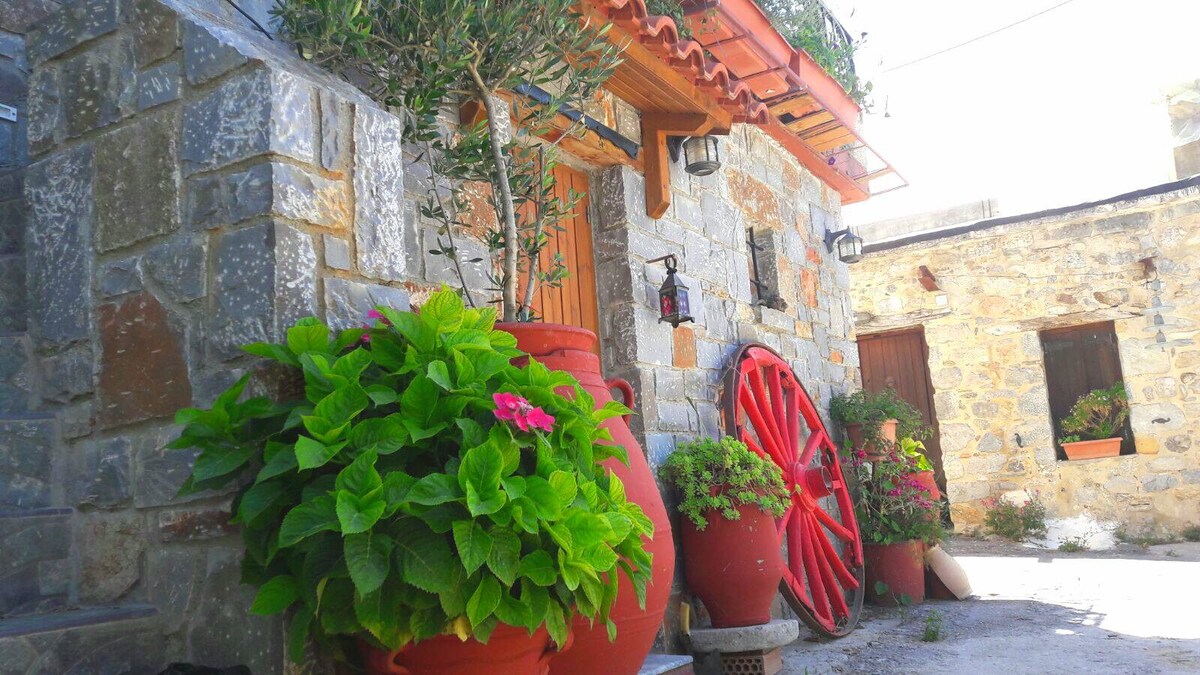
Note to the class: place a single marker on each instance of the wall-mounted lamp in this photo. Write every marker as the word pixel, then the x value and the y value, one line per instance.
pixel 673 305
pixel 701 156
pixel 849 245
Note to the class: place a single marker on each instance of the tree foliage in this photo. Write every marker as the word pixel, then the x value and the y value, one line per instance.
pixel 426 57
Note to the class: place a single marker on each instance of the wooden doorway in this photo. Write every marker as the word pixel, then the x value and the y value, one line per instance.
pixel 574 301
pixel 900 360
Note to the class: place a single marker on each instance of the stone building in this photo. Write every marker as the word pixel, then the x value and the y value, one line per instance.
pixel 1009 308
pixel 179 184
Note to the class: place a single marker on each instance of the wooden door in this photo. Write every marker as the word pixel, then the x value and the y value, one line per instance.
pixel 574 302
pixel 900 360
pixel 1079 359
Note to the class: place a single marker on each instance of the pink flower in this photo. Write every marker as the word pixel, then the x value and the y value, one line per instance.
pixel 374 314
pixel 516 409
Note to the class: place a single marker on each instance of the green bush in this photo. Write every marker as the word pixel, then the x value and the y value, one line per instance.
pixel 721 476
pixel 872 410
pixel 423 485
pixel 1015 523
pixel 1098 414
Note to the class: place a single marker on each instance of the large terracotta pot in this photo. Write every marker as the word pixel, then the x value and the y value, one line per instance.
pixel 901 566
pixel 887 430
pixel 572 350
pixel 928 482
pixel 1105 447
pixel 509 651
pixel 734 566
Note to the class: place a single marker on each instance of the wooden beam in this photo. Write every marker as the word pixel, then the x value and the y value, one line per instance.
pixel 656 126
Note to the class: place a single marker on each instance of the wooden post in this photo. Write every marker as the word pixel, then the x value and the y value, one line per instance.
pixel 656 126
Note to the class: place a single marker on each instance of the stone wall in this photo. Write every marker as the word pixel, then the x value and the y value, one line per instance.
pixel 194 187
pixel 1000 285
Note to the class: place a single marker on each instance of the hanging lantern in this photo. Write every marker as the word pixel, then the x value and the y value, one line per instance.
pixel 848 245
pixel 673 306
pixel 700 155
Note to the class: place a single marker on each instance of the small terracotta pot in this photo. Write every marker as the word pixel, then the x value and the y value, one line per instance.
pixel 734 566
pixel 887 430
pixel 1104 447
pixel 901 566
pixel 509 651
pixel 928 482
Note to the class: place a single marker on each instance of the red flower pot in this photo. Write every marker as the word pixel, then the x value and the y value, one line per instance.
pixel 928 482
pixel 1105 447
pixel 887 430
pixel 572 350
pixel 734 566
pixel 509 651
pixel 901 566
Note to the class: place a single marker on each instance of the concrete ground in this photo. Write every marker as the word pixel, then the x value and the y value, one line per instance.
pixel 1129 610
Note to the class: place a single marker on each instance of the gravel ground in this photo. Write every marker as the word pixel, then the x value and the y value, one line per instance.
pixel 1128 610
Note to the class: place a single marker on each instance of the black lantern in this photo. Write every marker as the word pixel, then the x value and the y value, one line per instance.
pixel 700 154
pixel 849 245
pixel 673 305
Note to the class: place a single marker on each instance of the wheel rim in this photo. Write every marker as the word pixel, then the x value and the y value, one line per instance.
pixel 768 409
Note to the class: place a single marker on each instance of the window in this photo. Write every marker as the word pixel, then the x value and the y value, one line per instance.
pixel 1078 360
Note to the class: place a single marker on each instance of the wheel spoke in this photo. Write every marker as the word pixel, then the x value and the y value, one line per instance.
pixel 760 426
pixel 832 590
pixel 781 524
pixel 780 408
pixel 795 561
pixel 834 526
pixel 764 410
pixel 810 447
pixel 835 561
pixel 812 573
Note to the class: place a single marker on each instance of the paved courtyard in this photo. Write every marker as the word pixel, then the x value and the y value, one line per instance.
pixel 1130 610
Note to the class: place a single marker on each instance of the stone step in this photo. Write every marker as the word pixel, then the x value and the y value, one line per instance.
pixel 16 373
pixel 666 664
pixel 27 443
pixel 121 639
pixel 35 570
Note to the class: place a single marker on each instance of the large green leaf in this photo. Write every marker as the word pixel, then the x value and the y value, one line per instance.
pixel 434 489
pixel 439 374
pixel 337 608
pixel 539 568
pixel 544 497
pixel 307 519
pixel 310 337
pixel 385 614
pixel 276 595
pixel 311 453
pixel 564 486
pixel 484 600
pixel 360 477
pixel 281 459
pixel 479 476
pixel 367 557
pixel 505 557
pixel 419 401
pixel 426 560
pixel 261 502
pixel 473 542
pixel 222 460
pixel 384 435
pixel 445 309
pixel 359 513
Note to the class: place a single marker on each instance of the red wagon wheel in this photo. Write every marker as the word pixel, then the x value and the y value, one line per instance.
pixel 823 575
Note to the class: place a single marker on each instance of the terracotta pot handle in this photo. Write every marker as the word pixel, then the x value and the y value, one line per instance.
pixel 626 390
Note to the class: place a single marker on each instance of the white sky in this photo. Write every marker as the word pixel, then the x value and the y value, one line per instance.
pixel 1063 108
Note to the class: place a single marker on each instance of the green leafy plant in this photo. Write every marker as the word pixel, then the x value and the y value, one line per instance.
pixel 1192 533
pixel 914 450
pixel 719 476
pixel 1098 414
pixel 425 57
pixel 421 484
pixel 903 600
pixel 1073 545
pixel 1016 523
pixel 933 627
pixel 891 506
pixel 872 410
pixel 808 25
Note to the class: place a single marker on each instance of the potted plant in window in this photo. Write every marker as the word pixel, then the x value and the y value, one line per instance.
pixel 1095 423
pixel 897 519
pixel 729 498
pixel 873 421
pixel 446 509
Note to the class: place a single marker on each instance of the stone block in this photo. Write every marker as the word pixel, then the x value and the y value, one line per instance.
pixel 12 227
pixel 58 242
pixel 75 24
pixel 683 348
pixel 67 374
pixel 776 633
pixel 110 553
pixel 98 87
pixel 36 547
pixel 120 277
pixel 224 602
pixel 159 472
pixel 304 196
pixel 156 31
pixel 379 194
pixel 137 195
pixel 205 56
pixel 1159 482
pixel 174 581
pixel 103 475
pixel 252 113
pixel 77 419
pixel 143 372
pixel 621 199
pixel 347 302
pixel 668 384
pixel 26 452
pixel 265 280
pixel 158 85
pixel 195 524
pixel 337 252
pixel 16 374
pixel 178 268
pixel 14 303
pixel 335 140
pixel 674 416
